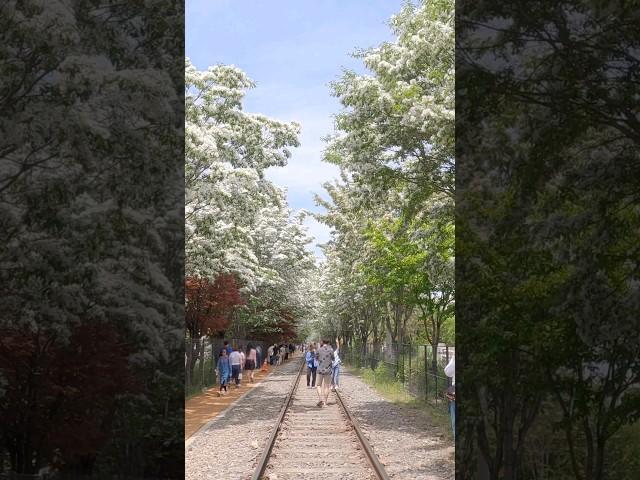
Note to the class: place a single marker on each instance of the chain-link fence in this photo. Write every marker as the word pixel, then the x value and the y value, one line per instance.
pixel 200 366
pixel 416 368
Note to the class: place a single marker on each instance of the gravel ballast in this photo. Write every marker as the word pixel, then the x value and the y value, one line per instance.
pixel 407 445
pixel 230 445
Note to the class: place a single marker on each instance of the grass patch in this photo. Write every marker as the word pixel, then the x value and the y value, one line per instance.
pixel 623 457
pixel 384 383
pixel 194 392
pixel 203 377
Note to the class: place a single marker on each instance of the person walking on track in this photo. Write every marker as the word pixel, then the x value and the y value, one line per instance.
pixel 325 361
pixel 312 366
pixel 251 361
pixel 235 360
pixel 224 370
pixel 335 369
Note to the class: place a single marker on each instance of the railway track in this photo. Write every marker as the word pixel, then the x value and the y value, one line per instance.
pixel 310 442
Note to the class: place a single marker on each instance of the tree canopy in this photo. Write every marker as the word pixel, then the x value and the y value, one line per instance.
pixel 238 223
pixel 390 262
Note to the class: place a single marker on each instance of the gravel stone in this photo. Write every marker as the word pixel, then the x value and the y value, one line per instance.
pixel 230 446
pixel 317 443
pixel 408 447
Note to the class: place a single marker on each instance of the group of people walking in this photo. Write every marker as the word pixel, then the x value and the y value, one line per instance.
pixel 279 353
pixel 323 364
pixel 323 368
pixel 233 360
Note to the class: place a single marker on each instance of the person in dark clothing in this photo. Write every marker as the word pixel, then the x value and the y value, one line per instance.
pixel 271 354
pixel 258 356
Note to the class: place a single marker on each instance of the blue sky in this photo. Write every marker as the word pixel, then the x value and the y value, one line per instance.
pixel 292 49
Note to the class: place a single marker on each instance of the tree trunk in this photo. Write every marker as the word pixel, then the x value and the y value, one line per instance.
pixel 598 473
pixel 435 340
pixel 193 355
pixel 588 467
pixel 24 458
pixel 509 454
pixel 434 359
pixel 387 321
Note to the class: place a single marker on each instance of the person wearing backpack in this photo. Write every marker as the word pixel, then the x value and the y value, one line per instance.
pixel 325 361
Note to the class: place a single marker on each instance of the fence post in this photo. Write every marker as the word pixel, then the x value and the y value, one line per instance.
pixel 435 393
pixel 410 354
pixel 426 375
pixel 403 377
pixel 202 357
pixel 396 354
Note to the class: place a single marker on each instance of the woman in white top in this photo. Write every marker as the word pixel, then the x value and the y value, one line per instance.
pixel 235 360
pixel 243 359
pixel 450 371
pixel 335 370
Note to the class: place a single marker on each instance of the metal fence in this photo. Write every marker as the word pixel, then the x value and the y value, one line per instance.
pixel 203 373
pixel 412 366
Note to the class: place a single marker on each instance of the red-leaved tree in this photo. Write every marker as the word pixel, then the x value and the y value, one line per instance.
pixel 60 396
pixel 208 311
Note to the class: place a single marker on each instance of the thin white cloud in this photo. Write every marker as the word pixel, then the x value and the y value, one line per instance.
pixel 303 174
pixel 321 234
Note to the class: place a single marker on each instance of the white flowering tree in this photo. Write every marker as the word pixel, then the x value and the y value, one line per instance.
pixel 398 122
pixel 391 256
pixel 227 151
pixel 91 311
pixel 238 222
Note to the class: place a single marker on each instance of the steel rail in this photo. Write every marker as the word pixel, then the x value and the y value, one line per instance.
pixel 264 458
pixel 378 468
pixel 371 456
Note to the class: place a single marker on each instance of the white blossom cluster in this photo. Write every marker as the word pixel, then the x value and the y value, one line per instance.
pixel 390 262
pixel 401 118
pixel 237 221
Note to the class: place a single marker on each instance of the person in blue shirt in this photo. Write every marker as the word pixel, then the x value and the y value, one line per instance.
pixel 312 367
pixel 224 371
